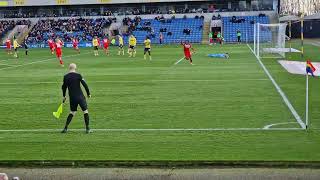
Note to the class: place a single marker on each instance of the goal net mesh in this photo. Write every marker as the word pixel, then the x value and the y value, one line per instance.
pixel 270 40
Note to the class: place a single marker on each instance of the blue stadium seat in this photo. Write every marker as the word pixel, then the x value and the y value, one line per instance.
pixel 246 28
pixel 176 27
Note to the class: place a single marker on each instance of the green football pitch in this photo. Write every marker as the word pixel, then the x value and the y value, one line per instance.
pixel 143 110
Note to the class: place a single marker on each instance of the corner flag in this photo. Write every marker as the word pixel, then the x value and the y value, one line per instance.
pixel 310 68
pixel 59 112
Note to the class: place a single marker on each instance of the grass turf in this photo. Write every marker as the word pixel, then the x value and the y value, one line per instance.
pixel 134 93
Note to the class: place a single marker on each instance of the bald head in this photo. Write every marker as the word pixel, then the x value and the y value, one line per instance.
pixel 72 67
pixel 3 176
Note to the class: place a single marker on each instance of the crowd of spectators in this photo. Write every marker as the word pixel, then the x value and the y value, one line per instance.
pixel 83 29
pixel 55 12
pixel 6 26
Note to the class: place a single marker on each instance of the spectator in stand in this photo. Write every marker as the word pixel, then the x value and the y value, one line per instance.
pixel 187 31
pixel 239 36
pixel 161 38
pixel 85 29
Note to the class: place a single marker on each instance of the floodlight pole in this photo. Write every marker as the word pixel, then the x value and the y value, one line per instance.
pixel 258 40
pixel 290 35
pixel 302 35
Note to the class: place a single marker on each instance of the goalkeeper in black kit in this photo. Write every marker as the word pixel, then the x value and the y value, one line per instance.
pixel 72 82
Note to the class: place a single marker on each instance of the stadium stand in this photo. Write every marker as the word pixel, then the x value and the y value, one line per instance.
pixel 84 29
pixel 243 23
pixel 8 25
pixel 173 30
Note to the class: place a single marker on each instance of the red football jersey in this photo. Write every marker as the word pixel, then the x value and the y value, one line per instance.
pixel 58 45
pixel 187 47
pixel 106 42
pixel 75 42
pixel 50 42
pixel 8 43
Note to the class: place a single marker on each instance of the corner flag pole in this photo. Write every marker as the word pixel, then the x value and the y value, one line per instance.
pixel 307 100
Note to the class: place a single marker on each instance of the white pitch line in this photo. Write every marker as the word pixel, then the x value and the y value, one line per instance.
pixel 1 64
pixel 41 61
pixel 6 60
pixel 155 130
pixel 282 94
pixel 179 61
pixel 146 81
pixel 276 124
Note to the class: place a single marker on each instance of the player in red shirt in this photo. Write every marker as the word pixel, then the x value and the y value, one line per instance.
pixel 51 45
pixel 106 45
pixel 75 43
pixel 188 50
pixel 8 46
pixel 58 47
pixel 99 43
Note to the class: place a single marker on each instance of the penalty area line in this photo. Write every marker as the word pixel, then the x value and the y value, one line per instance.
pixel 179 61
pixel 156 130
pixel 41 61
pixel 146 81
pixel 279 90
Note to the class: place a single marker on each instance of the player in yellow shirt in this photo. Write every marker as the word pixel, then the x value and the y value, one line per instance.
pixel 147 48
pixel 16 45
pixel 132 46
pixel 121 50
pixel 95 44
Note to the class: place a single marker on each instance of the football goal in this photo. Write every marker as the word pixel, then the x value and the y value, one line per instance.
pixel 270 41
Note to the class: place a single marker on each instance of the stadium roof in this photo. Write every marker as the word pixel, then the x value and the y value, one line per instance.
pixel 314 16
pixel 307 7
pixel 289 18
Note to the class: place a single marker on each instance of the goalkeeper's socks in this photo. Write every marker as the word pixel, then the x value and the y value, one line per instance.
pixel 145 57
pixel 69 119
pixel 150 58
pixel 86 120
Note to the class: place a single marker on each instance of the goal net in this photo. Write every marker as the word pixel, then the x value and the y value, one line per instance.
pixel 270 40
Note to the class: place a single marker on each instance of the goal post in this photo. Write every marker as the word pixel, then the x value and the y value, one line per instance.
pixel 270 40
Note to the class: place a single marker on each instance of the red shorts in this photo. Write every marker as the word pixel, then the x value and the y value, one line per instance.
pixel 8 47
pixel 106 46
pixel 187 54
pixel 59 53
pixel 75 46
pixel 211 40
pixel 51 48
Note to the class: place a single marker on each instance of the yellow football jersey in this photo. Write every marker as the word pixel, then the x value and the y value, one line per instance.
pixel 95 42
pixel 120 40
pixel 147 43
pixel 132 41
pixel 15 44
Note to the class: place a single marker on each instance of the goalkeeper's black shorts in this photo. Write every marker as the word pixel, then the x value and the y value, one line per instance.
pixel 75 102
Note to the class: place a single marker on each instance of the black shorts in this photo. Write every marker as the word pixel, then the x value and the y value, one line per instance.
pixel 95 48
pixel 132 47
pixel 15 49
pixel 121 46
pixel 74 103
pixel 147 50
